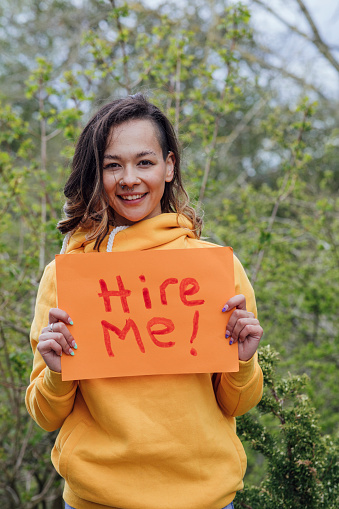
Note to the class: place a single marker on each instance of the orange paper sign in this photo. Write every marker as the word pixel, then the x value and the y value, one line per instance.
pixel 147 312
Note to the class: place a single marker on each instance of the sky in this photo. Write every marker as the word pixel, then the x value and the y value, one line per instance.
pixel 296 54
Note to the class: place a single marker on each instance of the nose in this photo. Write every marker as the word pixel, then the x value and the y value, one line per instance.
pixel 130 177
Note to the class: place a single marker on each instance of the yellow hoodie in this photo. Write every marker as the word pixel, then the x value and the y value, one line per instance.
pixel 151 442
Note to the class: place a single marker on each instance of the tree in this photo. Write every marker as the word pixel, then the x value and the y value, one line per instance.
pixel 264 170
pixel 302 465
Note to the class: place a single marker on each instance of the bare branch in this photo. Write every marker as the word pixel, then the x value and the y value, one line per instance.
pixel 215 130
pixel 13 495
pixel 239 128
pixel 242 504
pixel 209 159
pixel 315 38
pixel 41 496
pixel 23 447
pixel 13 326
pixel 285 190
pixel 43 156
pixel 318 41
pixel 141 78
pixel 3 346
pixel 254 59
pixel 53 134
pixel 293 28
pixel 250 114
pixel 309 19
pixel 124 54
pixel 177 92
pixel 12 386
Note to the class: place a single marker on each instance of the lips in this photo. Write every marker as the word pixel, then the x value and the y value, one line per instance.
pixel 131 197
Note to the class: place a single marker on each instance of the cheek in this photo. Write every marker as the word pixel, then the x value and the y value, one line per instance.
pixel 160 181
pixel 109 183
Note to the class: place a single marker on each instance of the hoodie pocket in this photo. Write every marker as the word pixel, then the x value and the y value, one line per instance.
pixel 66 442
pixel 238 447
pixel 241 454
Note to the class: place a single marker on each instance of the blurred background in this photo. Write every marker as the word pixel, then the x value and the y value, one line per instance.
pixel 253 91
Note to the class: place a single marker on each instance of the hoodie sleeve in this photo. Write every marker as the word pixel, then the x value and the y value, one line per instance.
pixel 238 392
pixel 49 400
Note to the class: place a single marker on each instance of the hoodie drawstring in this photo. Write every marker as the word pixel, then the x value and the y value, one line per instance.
pixel 65 242
pixel 109 243
pixel 112 235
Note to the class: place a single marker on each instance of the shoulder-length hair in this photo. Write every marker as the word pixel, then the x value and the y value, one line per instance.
pixel 87 204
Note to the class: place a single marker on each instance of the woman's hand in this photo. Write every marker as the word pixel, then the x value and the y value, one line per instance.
pixel 242 327
pixel 55 339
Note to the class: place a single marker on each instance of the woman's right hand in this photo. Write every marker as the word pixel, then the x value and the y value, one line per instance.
pixel 52 343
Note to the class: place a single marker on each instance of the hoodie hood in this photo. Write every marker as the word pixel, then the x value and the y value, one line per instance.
pixel 154 233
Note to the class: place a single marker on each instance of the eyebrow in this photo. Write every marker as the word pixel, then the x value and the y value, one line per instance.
pixel 140 154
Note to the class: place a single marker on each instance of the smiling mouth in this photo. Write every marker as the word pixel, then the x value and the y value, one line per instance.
pixel 132 197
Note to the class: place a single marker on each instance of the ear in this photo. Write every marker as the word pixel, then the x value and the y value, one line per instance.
pixel 170 163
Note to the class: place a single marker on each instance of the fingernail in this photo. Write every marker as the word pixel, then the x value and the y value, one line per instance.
pixel 231 342
pixel 225 308
pixel 70 321
pixel 60 354
pixel 227 335
pixel 74 345
pixel 71 352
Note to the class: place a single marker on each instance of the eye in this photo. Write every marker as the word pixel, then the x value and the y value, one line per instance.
pixel 112 166
pixel 145 162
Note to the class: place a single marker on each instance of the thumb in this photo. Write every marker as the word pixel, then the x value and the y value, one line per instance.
pixel 238 301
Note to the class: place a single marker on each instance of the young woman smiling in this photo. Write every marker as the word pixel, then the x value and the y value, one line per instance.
pixel 146 442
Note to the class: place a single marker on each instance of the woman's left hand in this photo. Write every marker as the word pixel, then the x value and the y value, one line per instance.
pixel 242 327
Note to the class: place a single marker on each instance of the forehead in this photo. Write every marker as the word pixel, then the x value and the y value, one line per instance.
pixel 134 134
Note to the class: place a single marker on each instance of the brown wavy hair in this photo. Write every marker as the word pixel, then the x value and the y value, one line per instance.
pixel 87 203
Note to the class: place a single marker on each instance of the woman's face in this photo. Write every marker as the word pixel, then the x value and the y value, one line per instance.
pixel 134 172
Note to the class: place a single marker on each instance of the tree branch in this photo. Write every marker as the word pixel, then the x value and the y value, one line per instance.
pixel 230 139
pixel 285 190
pixel 239 128
pixel 318 41
pixel 293 28
pixel 244 505
pixel 41 496
pixel 123 49
pixel 254 59
pixel 23 448
pixel 177 92
pixel 43 156
pixel 209 159
pixel 13 326
pixel 53 134
pixel 315 38
pixel 216 127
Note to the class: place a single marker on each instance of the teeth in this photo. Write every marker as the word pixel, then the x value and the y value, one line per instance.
pixel 132 197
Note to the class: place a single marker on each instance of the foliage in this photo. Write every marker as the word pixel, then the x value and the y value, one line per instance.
pixel 302 465
pixel 265 172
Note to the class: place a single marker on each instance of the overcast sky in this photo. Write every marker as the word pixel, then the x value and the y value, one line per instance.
pixel 299 56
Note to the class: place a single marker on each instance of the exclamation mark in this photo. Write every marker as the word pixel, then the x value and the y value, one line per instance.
pixel 195 332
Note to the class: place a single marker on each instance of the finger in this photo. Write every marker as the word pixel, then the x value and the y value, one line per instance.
pixel 58 315
pixel 253 332
pixel 49 346
pixel 241 325
pixel 63 329
pixel 236 315
pixel 238 301
pixel 58 338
